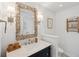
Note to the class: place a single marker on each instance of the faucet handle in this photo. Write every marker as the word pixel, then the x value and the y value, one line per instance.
pixel 36 39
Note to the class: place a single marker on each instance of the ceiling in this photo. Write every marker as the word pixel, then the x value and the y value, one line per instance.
pixel 54 6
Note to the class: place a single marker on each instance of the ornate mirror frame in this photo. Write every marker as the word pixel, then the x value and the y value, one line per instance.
pixel 33 10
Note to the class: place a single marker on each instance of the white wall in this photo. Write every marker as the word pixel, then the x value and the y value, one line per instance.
pixel 47 14
pixel 10 32
pixel 69 40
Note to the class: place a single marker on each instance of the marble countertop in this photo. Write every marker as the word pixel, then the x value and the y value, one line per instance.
pixel 27 50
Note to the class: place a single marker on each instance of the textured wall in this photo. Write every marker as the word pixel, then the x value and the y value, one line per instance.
pixel 69 41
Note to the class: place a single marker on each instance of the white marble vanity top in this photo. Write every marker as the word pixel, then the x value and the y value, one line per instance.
pixel 27 50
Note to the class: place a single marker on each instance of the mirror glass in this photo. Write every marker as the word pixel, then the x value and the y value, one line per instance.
pixel 26 22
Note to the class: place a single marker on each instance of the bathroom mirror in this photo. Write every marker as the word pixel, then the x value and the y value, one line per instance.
pixel 26 21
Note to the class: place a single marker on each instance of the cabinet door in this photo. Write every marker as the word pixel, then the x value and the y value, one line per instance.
pixel 43 53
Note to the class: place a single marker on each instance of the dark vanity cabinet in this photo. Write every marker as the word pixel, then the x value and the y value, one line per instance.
pixel 43 53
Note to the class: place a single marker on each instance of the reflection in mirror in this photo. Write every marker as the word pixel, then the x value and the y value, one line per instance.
pixel 26 22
